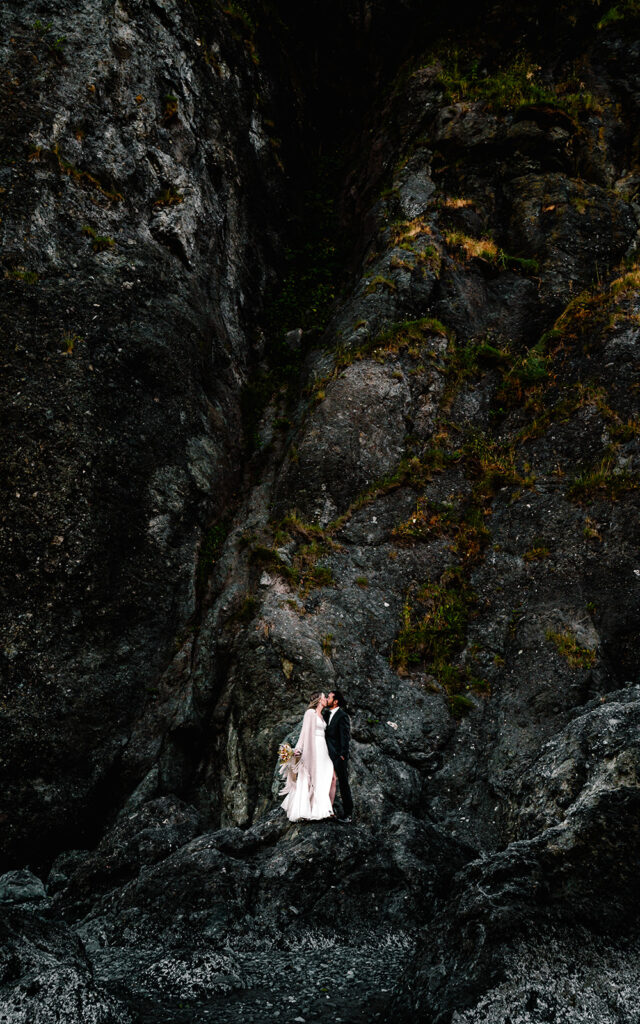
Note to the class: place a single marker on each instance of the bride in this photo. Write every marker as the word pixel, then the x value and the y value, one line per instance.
pixel 309 780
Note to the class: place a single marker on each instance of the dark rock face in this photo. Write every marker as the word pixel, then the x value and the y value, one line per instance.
pixel 137 169
pixel 553 901
pixel 439 517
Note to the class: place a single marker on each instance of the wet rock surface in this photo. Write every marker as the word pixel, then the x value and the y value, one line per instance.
pixel 436 512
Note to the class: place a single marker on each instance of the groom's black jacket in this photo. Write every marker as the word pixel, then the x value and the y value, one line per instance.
pixel 338 734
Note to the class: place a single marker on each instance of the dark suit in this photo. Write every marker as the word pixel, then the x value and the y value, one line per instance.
pixel 337 735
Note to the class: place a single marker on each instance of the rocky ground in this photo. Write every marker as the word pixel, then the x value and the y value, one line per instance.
pixel 277 921
pixel 401 459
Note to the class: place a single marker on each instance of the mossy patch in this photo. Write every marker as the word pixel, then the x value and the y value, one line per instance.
pixel 327 645
pixel 412 471
pixel 170 109
pixel 435 617
pixel 494 465
pixel 521 375
pixel 512 85
pixel 459 705
pixel 241 15
pixel 414 238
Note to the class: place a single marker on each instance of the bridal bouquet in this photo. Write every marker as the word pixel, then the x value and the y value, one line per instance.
pixel 285 753
pixel 288 766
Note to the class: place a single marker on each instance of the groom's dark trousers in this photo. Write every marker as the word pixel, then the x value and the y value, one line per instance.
pixel 337 735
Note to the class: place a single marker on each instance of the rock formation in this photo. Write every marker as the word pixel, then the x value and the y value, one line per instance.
pixel 320 370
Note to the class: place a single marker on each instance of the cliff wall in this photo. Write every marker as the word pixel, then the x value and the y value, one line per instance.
pixel 321 371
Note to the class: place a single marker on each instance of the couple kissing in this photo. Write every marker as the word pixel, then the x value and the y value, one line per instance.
pixel 320 761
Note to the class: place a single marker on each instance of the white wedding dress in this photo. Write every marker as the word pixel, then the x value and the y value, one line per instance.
pixel 304 800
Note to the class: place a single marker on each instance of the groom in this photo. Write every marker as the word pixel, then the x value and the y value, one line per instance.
pixel 337 735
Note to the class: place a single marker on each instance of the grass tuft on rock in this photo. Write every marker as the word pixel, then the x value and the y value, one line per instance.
pixel 168 197
pixel 459 705
pixel 304 573
pixel 575 654
pixel 99 243
pixel 433 633
pixel 520 83
pixel 606 480
pixel 628 10
pixel 378 282
pixel 247 609
pixel 411 336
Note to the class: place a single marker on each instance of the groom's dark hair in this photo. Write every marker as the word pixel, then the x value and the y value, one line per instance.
pixel 340 699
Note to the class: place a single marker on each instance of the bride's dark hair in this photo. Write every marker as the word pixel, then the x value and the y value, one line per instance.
pixel 313 700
